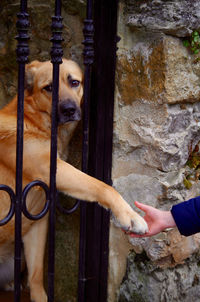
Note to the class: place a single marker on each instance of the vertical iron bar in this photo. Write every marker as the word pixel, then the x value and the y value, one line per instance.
pixel 53 193
pixel 96 237
pixel 18 190
pixel 58 6
pixel 88 54
pixel 22 58
pixel 56 59
pixel 107 32
pixel 23 6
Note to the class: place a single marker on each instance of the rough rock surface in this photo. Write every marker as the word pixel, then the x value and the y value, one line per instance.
pixel 156 136
pixel 145 282
pixel 158 69
pixel 177 17
pixel 156 129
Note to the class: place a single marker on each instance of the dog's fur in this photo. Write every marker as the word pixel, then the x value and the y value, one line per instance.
pixel 37 124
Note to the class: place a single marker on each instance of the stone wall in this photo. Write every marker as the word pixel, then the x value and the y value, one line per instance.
pixel 156 131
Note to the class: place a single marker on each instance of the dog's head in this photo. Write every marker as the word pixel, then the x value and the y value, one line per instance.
pixel 39 86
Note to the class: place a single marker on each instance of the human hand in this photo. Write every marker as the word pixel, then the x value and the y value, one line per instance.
pixel 157 220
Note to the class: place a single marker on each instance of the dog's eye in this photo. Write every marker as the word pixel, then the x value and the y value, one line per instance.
pixel 48 88
pixel 74 83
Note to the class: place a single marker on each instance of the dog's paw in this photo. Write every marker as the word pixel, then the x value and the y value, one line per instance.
pixel 137 225
pixel 130 221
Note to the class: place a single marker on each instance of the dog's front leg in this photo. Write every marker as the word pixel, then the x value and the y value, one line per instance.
pixel 34 248
pixel 82 186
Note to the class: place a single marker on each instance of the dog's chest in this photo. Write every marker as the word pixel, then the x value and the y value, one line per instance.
pixel 65 133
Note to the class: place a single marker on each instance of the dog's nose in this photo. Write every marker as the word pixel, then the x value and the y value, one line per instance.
pixel 68 108
pixel 68 111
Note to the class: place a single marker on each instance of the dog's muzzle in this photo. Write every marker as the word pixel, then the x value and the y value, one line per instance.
pixel 68 111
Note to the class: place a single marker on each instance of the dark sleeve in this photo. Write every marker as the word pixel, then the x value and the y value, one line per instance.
pixel 187 216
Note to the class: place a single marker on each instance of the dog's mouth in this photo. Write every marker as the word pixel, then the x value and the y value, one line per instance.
pixel 68 111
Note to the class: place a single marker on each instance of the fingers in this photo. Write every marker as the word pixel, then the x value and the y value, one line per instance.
pixel 133 235
pixel 140 236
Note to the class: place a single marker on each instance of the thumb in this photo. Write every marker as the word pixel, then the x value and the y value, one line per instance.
pixel 141 206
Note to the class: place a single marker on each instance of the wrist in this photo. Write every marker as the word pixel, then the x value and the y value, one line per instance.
pixel 168 220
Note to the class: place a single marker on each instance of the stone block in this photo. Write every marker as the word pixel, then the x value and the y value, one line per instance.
pixel 146 282
pixel 154 136
pixel 176 18
pixel 159 69
pixel 168 248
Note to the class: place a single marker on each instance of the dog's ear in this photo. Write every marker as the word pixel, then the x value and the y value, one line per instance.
pixel 30 73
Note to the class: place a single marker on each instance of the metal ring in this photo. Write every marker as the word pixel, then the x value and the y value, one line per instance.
pixel 67 211
pixel 12 204
pixel 24 195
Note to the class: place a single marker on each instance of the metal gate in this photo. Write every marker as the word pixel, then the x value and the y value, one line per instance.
pixel 99 60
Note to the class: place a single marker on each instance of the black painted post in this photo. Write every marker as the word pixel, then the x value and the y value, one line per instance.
pixel 22 58
pixel 88 55
pixel 56 59
pixel 100 159
pixel 95 220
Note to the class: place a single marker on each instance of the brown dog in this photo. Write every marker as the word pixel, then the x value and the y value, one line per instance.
pixel 37 124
